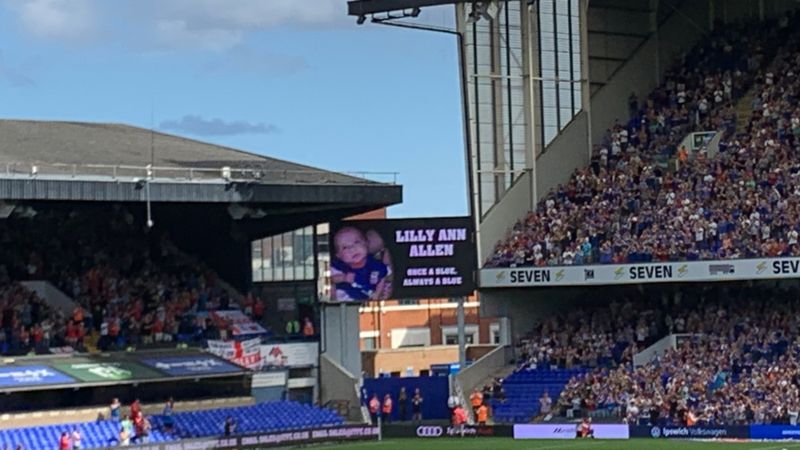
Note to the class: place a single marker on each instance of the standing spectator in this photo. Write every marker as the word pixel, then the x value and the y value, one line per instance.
pixel 402 404
pixel 459 419
pixel 292 327
pixel 482 414
pixel 167 419
pixel 63 443
pixel 115 408
pixel 124 437
pixel 143 430
pixel 136 410
pixel 308 327
pixel 416 406
pixel 374 407
pixel 387 408
pixel 476 400
pixel 545 405
pixel 127 425
pixel 77 443
pixel 230 426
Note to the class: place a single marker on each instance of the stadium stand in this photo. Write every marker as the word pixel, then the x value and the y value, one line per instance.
pixel 739 367
pixel 133 289
pixel 630 205
pixel 264 417
pixel 738 364
pixel 523 390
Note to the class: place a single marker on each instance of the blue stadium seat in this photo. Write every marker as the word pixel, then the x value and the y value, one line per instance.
pixel 260 418
pixel 523 389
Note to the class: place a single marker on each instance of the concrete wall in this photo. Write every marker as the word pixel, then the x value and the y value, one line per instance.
pixel 337 384
pixel 514 205
pixel 399 360
pixel 474 376
pixel 52 295
pixel 568 151
pixel 340 336
pixel 522 306
pixel 738 10
pixel 375 362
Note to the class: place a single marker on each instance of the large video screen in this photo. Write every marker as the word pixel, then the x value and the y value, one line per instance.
pixel 402 258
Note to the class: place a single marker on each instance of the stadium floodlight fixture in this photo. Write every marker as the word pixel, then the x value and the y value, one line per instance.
pixel 226 173
pixel 415 12
pixel 361 19
pixel 34 170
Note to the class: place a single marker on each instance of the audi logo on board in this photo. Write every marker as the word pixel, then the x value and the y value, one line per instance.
pixel 429 431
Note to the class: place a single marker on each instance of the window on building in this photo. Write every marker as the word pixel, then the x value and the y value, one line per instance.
pixel 411 337
pixel 559 64
pixel 452 339
pixel 368 343
pixel 285 257
pixel 494 331
pixel 450 334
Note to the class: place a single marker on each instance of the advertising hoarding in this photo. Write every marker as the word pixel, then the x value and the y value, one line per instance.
pixel 178 366
pixel 21 376
pixel 774 432
pixel 658 272
pixel 693 432
pixel 107 371
pixel 402 258
pixel 569 431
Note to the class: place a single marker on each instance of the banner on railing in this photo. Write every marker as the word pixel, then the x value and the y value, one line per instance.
pixel 301 354
pixel 244 353
pixel 666 272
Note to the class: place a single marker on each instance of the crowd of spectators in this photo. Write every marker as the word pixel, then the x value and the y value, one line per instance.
pixel 601 336
pixel 131 287
pixel 629 207
pixel 739 366
pixel 27 323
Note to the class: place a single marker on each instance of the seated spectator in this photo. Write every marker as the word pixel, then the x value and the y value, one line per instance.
pixel 631 206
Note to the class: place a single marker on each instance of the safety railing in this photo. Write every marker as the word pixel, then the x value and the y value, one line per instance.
pixel 249 172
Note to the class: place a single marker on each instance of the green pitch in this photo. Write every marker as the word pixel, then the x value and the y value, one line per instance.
pixel 527 444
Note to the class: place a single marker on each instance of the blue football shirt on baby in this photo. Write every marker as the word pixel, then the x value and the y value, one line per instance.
pixel 366 278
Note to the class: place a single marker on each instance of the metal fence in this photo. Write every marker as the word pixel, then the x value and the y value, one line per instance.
pixel 251 173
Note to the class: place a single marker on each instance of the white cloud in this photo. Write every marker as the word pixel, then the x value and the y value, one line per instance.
pixel 221 24
pixel 71 20
pixel 171 24
pixel 254 14
pixel 200 126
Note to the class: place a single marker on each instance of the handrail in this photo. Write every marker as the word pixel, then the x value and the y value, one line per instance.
pixel 248 170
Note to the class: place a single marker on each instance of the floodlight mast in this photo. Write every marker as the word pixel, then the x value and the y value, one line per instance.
pixel 386 12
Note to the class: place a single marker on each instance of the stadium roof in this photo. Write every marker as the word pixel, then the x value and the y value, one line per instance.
pixel 80 152
pixel 91 145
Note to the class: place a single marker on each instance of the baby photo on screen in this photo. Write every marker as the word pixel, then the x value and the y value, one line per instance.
pixel 360 266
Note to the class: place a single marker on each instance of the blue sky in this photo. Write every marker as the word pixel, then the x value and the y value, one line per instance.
pixel 292 79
